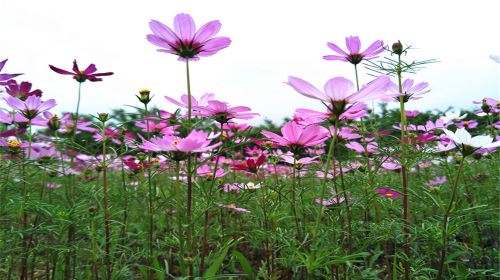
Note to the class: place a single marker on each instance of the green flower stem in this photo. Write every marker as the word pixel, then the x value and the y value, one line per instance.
pixel 444 232
pixel 293 201
pixel 330 157
pixel 179 218
pixel 404 178
pixel 107 256
pixel 151 195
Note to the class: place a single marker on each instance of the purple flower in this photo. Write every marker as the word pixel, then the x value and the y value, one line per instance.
pixel 354 46
pixel 184 41
pixel 340 95
pixel 234 208
pixel 437 181
pixel 296 136
pixel 222 113
pixel 195 142
pixel 30 107
pixel 6 77
pixel 387 192
pixel 22 91
pixel 81 76
pixel 410 91
pixel 467 124
pixel 412 114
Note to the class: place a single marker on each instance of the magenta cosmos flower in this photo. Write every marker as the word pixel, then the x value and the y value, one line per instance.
pixel 31 107
pixel 222 113
pixel 340 94
pixel 82 75
pixel 354 46
pixel 184 41
pixel 410 90
pixel 296 136
pixel 387 192
pixel 21 91
pixel 6 77
pixel 195 142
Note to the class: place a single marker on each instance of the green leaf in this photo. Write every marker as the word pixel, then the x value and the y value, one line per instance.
pixel 214 268
pixel 245 264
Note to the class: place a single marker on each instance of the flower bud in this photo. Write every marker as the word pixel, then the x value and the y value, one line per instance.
pixel 144 96
pixel 397 48
pixel 103 117
pixel 54 123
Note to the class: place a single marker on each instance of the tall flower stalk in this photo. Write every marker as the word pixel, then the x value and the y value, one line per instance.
pixel 103 118
pixel 397 48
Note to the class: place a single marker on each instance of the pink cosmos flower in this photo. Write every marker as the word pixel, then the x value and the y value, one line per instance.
pixel 194 102
pixel 488 105
pixel 222 113
pixel 410 91
pixel 296 136
pixel 21 91
pixel 387 192
pixel 82 75
pixel 330 202
pixel 339 93
pixel 6 77
pixel 354 46
pixel 370 148
pixel 234 208
pixel 412 114
pixel 437 181
pixel 184 41
pixel 207 171
pixel 53 186
pixel 467 124
pixel 195 142
pixel 30 107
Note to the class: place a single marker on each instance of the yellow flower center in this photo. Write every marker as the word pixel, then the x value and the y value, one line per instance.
pixel 14 143
pixel 231 205
pixel 175 143
pixel 389 194
pixel 466 122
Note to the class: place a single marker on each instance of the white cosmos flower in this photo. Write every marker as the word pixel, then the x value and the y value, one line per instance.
pixel 469 144
pixel 452 116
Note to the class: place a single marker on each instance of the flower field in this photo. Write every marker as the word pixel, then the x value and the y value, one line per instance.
pixel 349 192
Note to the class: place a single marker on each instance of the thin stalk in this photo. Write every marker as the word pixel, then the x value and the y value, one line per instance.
pixel 189 177
pixel 24 214
pixel 293 200
pixel 444 231
pixel 330 157
pixel 179 218
pixel 107 260
pixel 75 123
pixel 95 266
pixel 204 241
pixel 151 193
pixel 404 178
pixel 348 208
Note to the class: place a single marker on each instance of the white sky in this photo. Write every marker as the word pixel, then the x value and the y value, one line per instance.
pixel 270 41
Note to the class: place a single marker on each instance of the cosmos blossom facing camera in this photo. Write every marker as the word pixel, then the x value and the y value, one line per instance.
pixel 31 107
pixel 354 54
pixel 296 136
pixel 185 41
pixel 196 141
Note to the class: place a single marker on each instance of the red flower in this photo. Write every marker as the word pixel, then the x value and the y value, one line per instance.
pixel 250 165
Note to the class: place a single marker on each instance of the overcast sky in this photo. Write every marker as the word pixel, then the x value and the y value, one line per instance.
pixel 270 41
